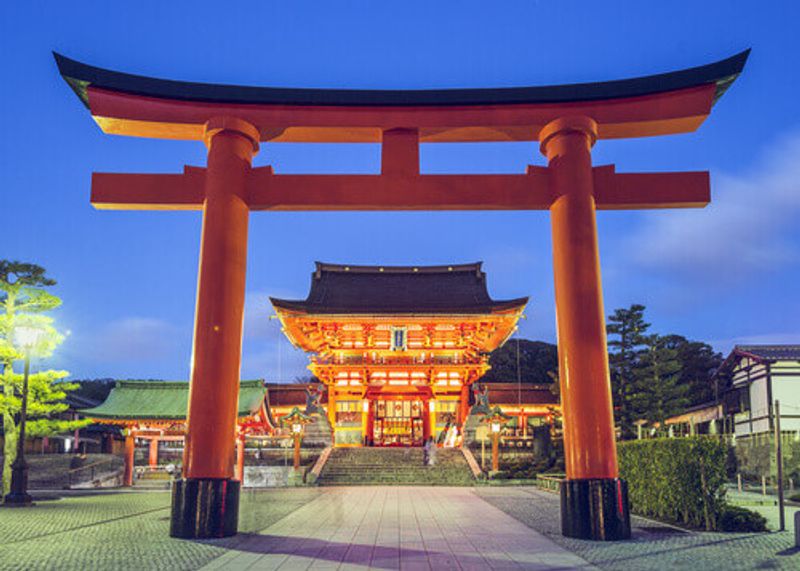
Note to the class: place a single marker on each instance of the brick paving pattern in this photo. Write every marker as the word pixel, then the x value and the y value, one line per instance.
pixel 121 531
pixel 359 528
pixel 397 528
pixel 654 546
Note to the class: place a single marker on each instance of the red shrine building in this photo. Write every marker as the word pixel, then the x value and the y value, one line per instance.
pixel 398 347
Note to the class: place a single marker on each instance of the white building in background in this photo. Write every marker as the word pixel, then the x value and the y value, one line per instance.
pixel 754 377
pixel 748 384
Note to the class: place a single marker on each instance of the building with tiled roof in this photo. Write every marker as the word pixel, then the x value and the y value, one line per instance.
pixel 398 348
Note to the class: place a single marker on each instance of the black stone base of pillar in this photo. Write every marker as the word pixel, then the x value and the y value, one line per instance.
pixel 18 500
pixel 204 508
pixel 595 509
pixel 18 496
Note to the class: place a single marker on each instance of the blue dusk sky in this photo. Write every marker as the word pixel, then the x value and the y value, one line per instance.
pixel 725 274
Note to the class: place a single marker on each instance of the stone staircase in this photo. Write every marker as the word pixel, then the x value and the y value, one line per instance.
pixel 152 480
pixel 394 467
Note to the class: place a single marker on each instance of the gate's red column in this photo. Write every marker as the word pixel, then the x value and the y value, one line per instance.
pixel 205 502
pixel 593 499
pixel 153 456
pixel 130 452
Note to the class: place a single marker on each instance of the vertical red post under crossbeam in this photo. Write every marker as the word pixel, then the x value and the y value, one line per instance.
pixel 592 486
pixel 427 429
pixel 205 502
pixel 400 152
pixel 463 406
pixel 240 458
pixel 153 456
pixel 130 448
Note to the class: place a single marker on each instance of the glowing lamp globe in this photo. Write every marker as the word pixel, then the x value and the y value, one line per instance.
pixel 26 336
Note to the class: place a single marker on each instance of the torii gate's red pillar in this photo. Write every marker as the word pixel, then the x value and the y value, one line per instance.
pixel 594 501
pixel 205 503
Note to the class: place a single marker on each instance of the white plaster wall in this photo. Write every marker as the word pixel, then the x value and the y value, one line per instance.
pixel 787 391
pixel 758 398
pixel 758 407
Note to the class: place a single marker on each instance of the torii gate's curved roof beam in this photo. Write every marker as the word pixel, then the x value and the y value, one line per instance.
pixel 660 104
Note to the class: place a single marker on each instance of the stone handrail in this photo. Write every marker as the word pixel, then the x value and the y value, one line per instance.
pixel 549 483
pixel 319 465
pixel 473 464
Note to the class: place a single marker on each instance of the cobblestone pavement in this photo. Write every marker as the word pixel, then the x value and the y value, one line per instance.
pixel 122 530
pixel 397 528
pixel 355 528
pixel 654 546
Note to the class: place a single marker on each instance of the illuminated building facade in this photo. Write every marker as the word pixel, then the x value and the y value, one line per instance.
pixel 397 347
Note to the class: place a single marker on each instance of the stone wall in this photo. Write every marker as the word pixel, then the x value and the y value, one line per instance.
pixel 270 476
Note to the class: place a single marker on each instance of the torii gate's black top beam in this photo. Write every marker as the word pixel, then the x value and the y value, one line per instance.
pixel 80 76
pixel 668 103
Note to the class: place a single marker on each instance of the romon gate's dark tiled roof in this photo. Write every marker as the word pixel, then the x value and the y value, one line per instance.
pixel 770 352
pixel 459 289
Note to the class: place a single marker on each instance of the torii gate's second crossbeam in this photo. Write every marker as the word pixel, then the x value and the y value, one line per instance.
pixel 566 120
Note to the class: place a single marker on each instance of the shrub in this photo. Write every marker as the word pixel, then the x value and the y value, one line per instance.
pixel 794 498
pixel 522 468
pixel 676 479
pixel 735 518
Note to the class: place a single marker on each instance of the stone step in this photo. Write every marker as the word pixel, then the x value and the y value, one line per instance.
pixel 394 466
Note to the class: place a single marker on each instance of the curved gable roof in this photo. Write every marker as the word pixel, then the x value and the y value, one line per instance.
pixel 344 289
pixel 165 400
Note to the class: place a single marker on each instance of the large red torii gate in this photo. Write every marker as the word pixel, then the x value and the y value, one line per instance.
pixel 566 120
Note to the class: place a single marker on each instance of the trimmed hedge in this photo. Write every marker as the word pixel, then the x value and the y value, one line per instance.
pixel 676 479
pixel 735 518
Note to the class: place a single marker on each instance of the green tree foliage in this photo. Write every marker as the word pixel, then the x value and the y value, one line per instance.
pixel 657 392
pixel 654 377
pixel 699 362
pixel 537 361
pixel 24 303
pixel 94 389
pixel 626 338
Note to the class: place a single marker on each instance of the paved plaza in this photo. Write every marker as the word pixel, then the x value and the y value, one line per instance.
pixel 360 528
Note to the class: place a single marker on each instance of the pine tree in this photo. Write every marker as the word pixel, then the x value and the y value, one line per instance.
pixel 699 363
pixel 657 391
pixel 24 303
pixel 626 329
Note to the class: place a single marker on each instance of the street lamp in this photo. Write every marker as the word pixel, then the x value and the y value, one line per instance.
pixel 297 420
pixel 297 432
pixel 496 419
pixel 26 338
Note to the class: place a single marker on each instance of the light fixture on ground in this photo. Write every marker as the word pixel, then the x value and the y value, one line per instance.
pixel 297 420
pixel 26 338
pixel 496 421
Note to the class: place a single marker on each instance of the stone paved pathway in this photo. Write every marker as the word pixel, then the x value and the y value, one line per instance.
pixel 356 528
pixel 122 531
pixel 654 545
pixel 397 528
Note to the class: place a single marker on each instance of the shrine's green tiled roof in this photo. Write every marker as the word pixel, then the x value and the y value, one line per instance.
pixel 164 400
